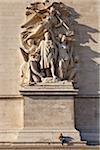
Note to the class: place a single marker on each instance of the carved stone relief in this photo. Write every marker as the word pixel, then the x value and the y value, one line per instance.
pixel 47 44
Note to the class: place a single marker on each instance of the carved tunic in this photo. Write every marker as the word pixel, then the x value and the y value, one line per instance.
pixel 63 52
pixel 47 53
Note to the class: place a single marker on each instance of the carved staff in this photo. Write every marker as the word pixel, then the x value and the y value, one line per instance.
pixel 63 23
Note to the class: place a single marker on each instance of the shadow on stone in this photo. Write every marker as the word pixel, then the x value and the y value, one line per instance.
pixel 87 103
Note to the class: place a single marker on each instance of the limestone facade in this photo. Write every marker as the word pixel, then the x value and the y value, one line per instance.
pixel 12 16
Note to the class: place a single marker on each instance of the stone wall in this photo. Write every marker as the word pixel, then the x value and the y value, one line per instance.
pixel 12 15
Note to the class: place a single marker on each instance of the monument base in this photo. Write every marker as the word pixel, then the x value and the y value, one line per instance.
pixel 48 112
pixel 47 136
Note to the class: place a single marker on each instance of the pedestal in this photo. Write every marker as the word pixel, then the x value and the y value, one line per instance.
pixel 48 112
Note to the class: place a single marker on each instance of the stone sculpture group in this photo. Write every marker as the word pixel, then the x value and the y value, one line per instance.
pixel 47 44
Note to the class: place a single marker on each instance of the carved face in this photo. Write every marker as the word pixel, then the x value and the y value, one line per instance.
pixel 52 11
pixel 31 42
pixel 64 39
pixel 47 35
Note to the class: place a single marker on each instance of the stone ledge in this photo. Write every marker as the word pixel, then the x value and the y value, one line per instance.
pixel 3 97
pixel 43 146
pixel 87 96
pixel 59 88
pixel 57 92
pixel 37 136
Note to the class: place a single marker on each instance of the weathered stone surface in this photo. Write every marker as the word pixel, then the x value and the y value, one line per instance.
pixel 11 112
pixel 11 17
pixel 48 112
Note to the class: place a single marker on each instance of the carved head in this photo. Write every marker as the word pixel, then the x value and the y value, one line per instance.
pixel 31 42
pixel 64 38
pixel 45 1
pixel 47 35
pixel 52 10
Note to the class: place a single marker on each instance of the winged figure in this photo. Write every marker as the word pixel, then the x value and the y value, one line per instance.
pixel 47 22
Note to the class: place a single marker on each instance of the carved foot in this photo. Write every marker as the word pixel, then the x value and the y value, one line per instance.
pixel 42 79
pixel 55 79
pixel 31 83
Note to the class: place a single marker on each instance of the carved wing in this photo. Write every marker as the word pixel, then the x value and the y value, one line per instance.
pixel 36 12
pixel 33 20
pixel 40 6
pixel 25 54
